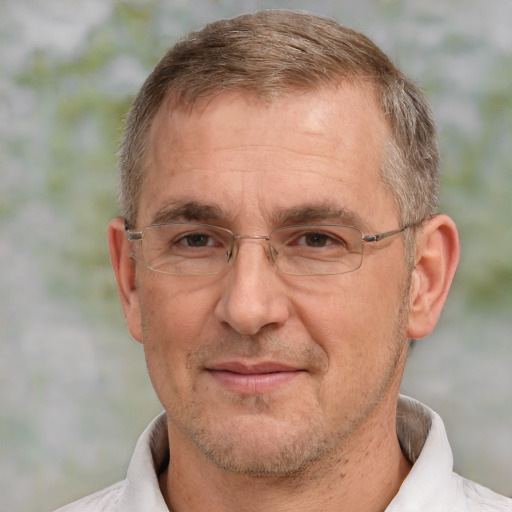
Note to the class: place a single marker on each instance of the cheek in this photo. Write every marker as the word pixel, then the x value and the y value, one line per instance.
pixel 339 308
pixel 355 321
pixel 175 322
pixel 176 315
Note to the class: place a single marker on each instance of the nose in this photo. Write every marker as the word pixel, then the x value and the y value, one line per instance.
pixel 254 295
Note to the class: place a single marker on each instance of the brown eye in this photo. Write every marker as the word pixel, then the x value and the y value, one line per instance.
pixel 196 240
pixel 316 239
pixel 319 239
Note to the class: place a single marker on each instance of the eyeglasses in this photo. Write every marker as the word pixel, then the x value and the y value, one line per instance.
pixel 188 249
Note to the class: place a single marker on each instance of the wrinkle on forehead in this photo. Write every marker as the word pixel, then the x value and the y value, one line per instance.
pixel 198 131
pixel 262 159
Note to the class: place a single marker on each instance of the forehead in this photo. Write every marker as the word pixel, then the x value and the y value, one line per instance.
pixel 246 156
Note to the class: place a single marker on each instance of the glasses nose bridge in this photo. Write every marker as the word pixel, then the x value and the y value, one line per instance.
pixel 236 245
pixel 255 237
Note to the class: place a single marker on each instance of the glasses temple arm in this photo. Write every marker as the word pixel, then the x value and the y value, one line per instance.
pixel 380 236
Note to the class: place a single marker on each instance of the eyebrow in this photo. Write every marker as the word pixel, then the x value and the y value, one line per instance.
pixel 186 210
pixel 191 210
pixel 321 212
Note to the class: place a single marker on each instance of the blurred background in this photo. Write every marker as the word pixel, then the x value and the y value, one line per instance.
pixel 74 392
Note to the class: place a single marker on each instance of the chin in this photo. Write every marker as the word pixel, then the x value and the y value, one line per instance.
pixel 265 447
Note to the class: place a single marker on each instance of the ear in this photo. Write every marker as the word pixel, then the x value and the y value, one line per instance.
pixel 437 256
pixel 124 269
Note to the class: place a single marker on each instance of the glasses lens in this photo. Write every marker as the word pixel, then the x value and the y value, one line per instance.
pixel 317 250
pixel 185 249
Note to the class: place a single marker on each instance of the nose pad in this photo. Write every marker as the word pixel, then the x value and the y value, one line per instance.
pixel 272 254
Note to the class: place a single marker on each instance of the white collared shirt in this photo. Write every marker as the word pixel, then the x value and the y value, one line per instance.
pixel 431 485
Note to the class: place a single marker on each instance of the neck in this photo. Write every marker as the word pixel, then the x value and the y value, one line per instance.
pixel 364 474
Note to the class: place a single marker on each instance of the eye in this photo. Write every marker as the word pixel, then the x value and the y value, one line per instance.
pixel 200 239
pixel 315 239
pixel 319 239
pixel 196 240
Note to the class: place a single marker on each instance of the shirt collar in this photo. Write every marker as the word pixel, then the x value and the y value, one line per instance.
pixel 431 485
pixel 151 455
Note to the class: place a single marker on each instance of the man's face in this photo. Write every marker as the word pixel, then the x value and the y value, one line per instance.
pixel 261 371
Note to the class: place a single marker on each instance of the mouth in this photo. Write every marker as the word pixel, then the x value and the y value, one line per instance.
pixel 253 378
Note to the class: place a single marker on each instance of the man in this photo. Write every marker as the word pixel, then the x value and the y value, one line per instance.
pixel 263 157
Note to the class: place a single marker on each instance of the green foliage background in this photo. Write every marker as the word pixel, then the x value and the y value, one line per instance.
pixel 74 389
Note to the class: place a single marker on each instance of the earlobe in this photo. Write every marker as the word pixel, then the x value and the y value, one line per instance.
pixel 437 256
pixel 124 270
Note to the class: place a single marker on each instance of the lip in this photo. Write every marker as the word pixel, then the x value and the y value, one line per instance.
pixel 252 379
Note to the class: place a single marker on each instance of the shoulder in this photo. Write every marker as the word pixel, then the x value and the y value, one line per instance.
pixel 105 500
pixel 140 490
pixel 482 499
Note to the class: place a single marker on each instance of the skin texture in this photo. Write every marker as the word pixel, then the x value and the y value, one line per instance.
pixel 280 390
